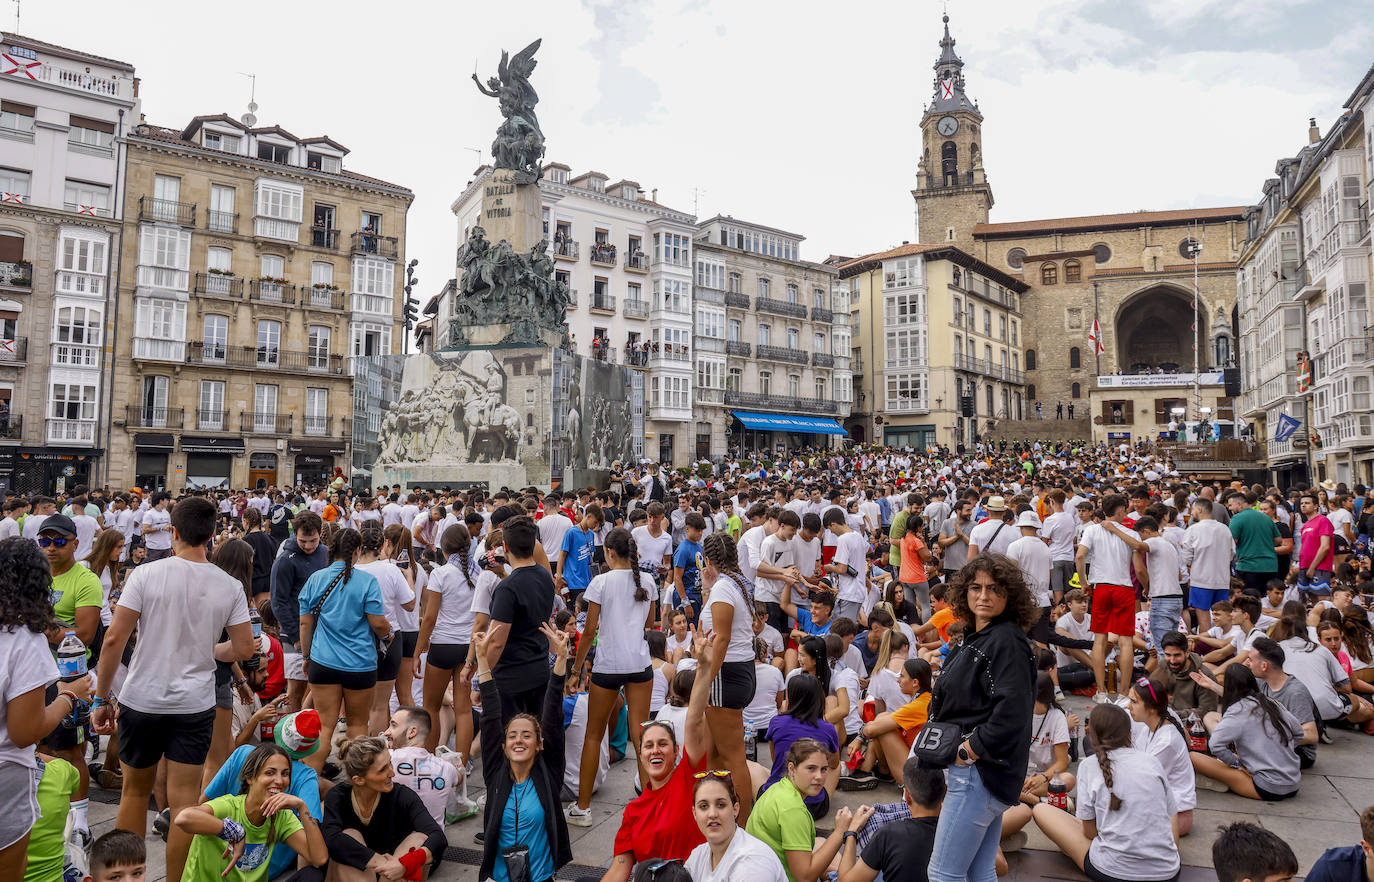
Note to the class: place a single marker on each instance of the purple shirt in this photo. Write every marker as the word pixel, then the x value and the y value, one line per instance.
pixel 784 730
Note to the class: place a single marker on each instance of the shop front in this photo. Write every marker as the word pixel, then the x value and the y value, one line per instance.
pixel 45 471
pixel 916 437
pixel 262 470
pixel 151 454
pixel 313 464
pixel 210 461
pixel 768 432
pixel 6 468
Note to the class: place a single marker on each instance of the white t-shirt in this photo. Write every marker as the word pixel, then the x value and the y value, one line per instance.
pixel 1047 730
pixel 431 778
pixel 1207 549
pixel 745 858
pixel 395 589
pixel 486 584
pixel 9 528
pixel 456 607
pixel 620 644
pixel 410 618
pixel 124 521
pixel 86 527
pixel 1033 557
pixel 1135 841
pixel 1339 518
pixel 652 549
pixel 1163 563
pixel 851 549
pixel 982 536
pixel 1108 556
pixel 806 555
pixel 1318 671
pixel 551 529
pixel 26 664
pixel 853 660
pixel 768 634
pixel 884 687
pixel 779 553
pixel 391 514
pixel 848 680
pixel 575 734
pixel 741 627
pixel 158 539
pixel 1060 528
pixel 750 549
pixel 1078 630
pixel 1167 745
pixel 768 683
pixel 189 604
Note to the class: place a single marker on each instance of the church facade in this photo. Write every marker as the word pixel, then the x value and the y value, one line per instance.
pixel 1134 275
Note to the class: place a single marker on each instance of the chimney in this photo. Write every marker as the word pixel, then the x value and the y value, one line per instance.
pixel 905 242
pixel 1314 134
pixel 654 198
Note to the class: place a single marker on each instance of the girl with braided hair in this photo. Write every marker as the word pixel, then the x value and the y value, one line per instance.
pixel 404 556
pixel 728 616
pixel 1123 794
pixel 341 609
pixel 397 597
pixel 446 636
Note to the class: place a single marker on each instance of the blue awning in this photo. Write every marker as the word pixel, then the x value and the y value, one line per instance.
pixel 788 423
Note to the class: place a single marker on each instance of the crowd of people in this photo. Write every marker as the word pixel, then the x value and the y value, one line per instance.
pixel 305 682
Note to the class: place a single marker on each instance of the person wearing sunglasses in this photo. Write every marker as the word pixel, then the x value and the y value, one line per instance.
pixel 729 852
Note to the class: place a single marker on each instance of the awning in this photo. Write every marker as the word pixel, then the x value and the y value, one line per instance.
pixel 151 441
pixel 788 423
pixel 211 445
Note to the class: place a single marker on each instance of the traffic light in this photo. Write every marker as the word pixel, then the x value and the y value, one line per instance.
pixel 412 313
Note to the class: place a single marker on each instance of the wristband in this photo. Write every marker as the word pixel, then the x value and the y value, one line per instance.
pixel 232 831
pixel 849 833
pixel 414 862
pixel 67 693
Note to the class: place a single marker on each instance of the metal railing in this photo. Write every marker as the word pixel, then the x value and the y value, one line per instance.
pixel 983 366
pixel 264 358
pixel 219 285
pixel 11 426
pixel 779 307
pixel 602 253
pixel 363 242
pixel 601 302
pixel 16 274
pixel 316 425
pixel 782 353
pixel 737 347
pixel 271 292
pixel 637 260
pixel 636 308
pixel 736 299
pixel 820 314
pixel 212 420
pixel 166 211
pixel 566 249
pixel 88 210
pixel 323 298
pixel 324 237
pixel 822 359
pixel 604 353
pixel 786 403
pixel 670 352
pixel 221 221
pixel 141 417
pixel 266 423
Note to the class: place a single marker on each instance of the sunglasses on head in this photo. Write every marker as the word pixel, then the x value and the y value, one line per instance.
pixel 658 866
pixel 715 773
pixel 59 541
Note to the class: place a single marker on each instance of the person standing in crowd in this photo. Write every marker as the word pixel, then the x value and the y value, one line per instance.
pixel 1058 532
pixel 299 558
pixel 157 527
pixel 988 690
pixel 1156 562
pixel 1113 598
pixel 520 606
pixel 264 554
pixel 1316 548
pixel 375 559
pixel 446 637
pixel 1257 539
pixel 849 565
pixel 954 536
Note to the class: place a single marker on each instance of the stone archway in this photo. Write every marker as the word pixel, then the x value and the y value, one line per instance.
pixel 1152 331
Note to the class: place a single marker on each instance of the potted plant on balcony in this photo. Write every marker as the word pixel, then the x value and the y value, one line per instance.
pixel 220 272
pixel 274 281
pixel 324 286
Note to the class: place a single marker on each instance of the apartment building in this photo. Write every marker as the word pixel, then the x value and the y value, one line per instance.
pixel 254 265
pixel 63 117
pixel 938 346
pixel 772 342
pixel 628 262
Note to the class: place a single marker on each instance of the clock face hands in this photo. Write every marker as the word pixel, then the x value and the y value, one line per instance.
pixel 947 126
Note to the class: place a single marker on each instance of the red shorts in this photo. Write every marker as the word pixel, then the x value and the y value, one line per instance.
pixel 1113 609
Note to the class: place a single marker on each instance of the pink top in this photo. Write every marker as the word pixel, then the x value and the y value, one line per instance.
pixel 1312 533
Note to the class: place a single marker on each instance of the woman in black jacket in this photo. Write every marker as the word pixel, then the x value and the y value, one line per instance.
pixel 522 767
pixel 988 689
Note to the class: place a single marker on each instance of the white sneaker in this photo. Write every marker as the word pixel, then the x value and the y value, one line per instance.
pixel 1101 698
pixel 1058 694
pixel 579 817
pixel 1014 843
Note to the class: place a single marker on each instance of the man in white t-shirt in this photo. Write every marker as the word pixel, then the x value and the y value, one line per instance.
pixel 849 565
pixel 1156 566
pixel 761 526
pixel 1059 531
pixel 1032 556
pixel 86 528
pixel 552 526
pixel 993 535
pixel 391 512
pixel 42 508
pixel 157 528
pixel 1113 598
pixel 438 782
pixel 777 568
pixel 167 704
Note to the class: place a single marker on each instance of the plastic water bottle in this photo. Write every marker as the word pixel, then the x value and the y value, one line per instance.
pixel 751 748
pixel 1197 733
pixel 71 658
pixel 255 620
pixel 1059 794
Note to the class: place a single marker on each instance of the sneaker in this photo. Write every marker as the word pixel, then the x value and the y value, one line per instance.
pixel 162 823
pixel 1206 783
pixel 1101 698
pixel 858 780
pixel 81 838
pixel 883 777
pixel 479 837
pixel 1015 842
pixel 110 780
pixel 579 817
pixel 1324 737
pixel 1058 694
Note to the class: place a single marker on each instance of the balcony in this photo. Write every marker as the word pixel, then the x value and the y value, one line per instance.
pixel 603 303
pixel 277 229
pixel 14 350
pixel 219 285
pixel 264 358
pixel 602 254
pixel 669 353
pixel 222 222
pixel 371 243
pixel 736 299
pixel 819 314
pixel 71 431
pixel 139 417
pixel 271 291
pixel 317 426
pixel 12 427
pixel 87 210
pixel 636 309
pixel 737 347
pixel 153 349
pixel 710 396
pixel 709 344
pixel 166 277
pixel 16 274
pixel 821 359
pixel 320 297
pixel 779 307
pixel 565 250
pixel 212 420
pixel 636 358
pixel 987 291
pixel 782 353
pixel 604 353
pixel 785 403
pixel 324 237
pixel 708 295
pixel 166 211
pixel 907 405
pixel 85 81
pixel 266 423
pixel 986 368
pixel 637 262
pixel 572 298
pixel 78 355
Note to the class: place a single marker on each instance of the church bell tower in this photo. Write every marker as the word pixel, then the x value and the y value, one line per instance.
pixel 952 192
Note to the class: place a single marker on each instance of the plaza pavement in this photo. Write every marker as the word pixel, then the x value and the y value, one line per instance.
pixel 1325 814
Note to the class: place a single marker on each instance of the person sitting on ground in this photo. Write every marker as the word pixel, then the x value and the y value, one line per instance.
pixel 1349 863
pixel 118 856
pixel 522 767
pixel 782 821
pixel 374 828
pixel 440 784
pixel 297 735
pixel 729 853
pixel 245 828
pixel 803 717
pixel 1245 852
pixel 1123 795
pixel 893 732
pixel 1049 755
pixel 1252 744
pixel 1318 671
pixel 900 849
pixel 1179 664
pixel 1158 732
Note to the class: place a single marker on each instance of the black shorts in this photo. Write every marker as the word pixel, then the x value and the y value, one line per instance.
pixel 1270 796
pixel 1097 875
pixel 356 681
pixel 182 738
pixel 613 682
pixel 447 656
pixel 64 737
pixel 409 640
pixel 734 686
pixel 389 665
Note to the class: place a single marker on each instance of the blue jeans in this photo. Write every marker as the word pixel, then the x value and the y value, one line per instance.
pixel 1164 616
pixel 969 830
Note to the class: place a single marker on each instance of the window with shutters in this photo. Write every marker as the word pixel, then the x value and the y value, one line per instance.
pixel 1118 413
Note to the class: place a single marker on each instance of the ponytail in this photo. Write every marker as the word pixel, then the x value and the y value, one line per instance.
pixel 372 537
pixel 456 544
pixel 622 542
pixel 1104 762
pixel 1110 728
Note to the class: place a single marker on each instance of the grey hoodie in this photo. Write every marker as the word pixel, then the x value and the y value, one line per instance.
pixel 289 574
pixel 1245 738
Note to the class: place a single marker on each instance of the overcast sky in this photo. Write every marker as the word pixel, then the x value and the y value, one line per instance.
pixel 801 115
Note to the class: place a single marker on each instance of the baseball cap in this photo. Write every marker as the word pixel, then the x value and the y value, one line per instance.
pixel 299 734
pixel 58 523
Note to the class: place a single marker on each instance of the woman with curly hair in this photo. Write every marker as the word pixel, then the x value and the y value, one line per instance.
pixel 729 618
pixel 988 690
pixel 27 668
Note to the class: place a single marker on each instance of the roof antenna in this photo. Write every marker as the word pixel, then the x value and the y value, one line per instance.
pixel 16 16
pixel 696 200
pixel 250 118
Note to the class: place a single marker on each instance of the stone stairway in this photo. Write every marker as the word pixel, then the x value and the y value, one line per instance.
pixel 1041 430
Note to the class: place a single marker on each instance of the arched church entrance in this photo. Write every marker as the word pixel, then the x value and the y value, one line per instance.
pixel 1152 331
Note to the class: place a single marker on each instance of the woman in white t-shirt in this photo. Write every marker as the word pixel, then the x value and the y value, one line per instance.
pixel 374 558
pixel 1049 756
pixel 402 554
pixel 27 668
pixel 663 670
pixel 620 607
pixel 1160 734
pixel 729 853
pixel 1123 797
pixel 104 561
pixel 446 637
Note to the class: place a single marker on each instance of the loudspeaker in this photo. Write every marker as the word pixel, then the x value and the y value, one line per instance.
pixel 966 405
pixel 1232 375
